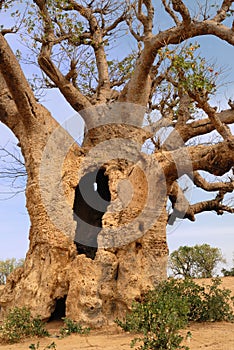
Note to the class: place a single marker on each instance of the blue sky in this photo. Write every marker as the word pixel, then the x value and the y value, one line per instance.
pixel 208 228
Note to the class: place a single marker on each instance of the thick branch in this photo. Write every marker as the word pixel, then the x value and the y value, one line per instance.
pixel 222 12
pixel 77 100
pixel 216 159
pixel 34 131
pixel 180 7
pixel 221 31
pixel 204 126
pixel 182 208
pixel 97 34
pixel 8 111
pixel 180 205
pixel 138 88
pixel 146 20
pixel 16 82
pixel 222 128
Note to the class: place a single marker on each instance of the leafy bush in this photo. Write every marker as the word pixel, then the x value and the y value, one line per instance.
pixel 20 324
pixel 71 326
pixel 216 304
pixel 169 308
pixel 159 317
pixel 209 303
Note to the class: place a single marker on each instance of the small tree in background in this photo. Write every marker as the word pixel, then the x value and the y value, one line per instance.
pixel 199 261
pixel 7 266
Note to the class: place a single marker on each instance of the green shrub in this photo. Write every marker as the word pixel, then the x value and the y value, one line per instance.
pixel 19 324
pixel 217 303
pixel 159 317
pixel 169 308
pixel 209 303
pixel 72 327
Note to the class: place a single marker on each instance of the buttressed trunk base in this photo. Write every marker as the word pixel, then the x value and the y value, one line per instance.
pixel 89 284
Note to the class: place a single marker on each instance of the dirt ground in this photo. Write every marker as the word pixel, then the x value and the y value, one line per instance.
pixel 209 336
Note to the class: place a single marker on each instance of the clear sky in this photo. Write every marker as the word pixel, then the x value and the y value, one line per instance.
pixel 209 228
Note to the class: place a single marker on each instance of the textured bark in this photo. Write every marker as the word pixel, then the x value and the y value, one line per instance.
pixel 97 291
pixel 131 256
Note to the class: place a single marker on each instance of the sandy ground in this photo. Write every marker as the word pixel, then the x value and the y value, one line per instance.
pixel 209 336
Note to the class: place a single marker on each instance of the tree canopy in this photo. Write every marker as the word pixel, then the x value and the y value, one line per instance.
pixel 199 261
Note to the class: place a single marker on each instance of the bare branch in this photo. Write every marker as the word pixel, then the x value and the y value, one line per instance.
pixel 112 26
pixel 183 110
pixel 156 79
pixel 204 126
pixel 202 102
pixel 222 12
pixel 153 128
pixel 171 12
pixel 214 204
pixel 199 181
pixel 222 128
pixel 146 20
pixel 182 208
pixel 8 31
pixel 138 88
pixel 72 74
pixel 13 172
pixel 132 31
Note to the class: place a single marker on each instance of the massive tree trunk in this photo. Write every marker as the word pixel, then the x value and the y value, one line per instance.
pixel 88 263
pixel 92 284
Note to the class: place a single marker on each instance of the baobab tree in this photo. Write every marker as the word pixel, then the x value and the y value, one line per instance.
pixel 99 210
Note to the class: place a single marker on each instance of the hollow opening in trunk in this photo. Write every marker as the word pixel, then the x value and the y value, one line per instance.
pixel 92 196
pixel 59 310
